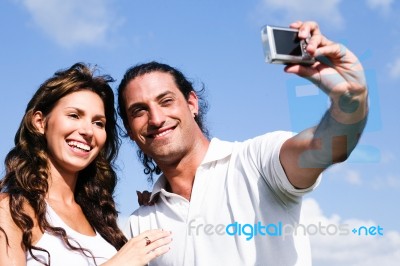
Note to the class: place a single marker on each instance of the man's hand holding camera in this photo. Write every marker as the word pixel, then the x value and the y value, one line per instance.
pixel 337 71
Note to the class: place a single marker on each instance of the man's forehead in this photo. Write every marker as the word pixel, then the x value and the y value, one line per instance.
pixel 151 85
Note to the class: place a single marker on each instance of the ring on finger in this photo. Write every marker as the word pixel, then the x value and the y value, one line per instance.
pixel 148 241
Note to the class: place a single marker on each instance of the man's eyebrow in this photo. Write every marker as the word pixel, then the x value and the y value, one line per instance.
pixel 158 97
pixel 162 95
pixel 135 105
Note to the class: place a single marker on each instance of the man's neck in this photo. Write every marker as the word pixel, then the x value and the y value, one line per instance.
pixel 180 176
pixel 181 186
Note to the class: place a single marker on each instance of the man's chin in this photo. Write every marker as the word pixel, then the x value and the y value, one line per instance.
pixel 165 155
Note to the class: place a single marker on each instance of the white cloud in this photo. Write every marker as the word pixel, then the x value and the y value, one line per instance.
pixel 394 69
pixel 73 22
pixel 393 181
pixel 382 5
pixel 349 249
pixel 365 154
pixel 388 157
pixel 350 176
pixel 291 10
pixel 353 177
pixel 386 182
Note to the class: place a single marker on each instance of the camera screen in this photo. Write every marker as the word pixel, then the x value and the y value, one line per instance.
pixel 287 42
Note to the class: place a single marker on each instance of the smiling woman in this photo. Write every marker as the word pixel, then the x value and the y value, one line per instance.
pixel 75 132
pixel 56 200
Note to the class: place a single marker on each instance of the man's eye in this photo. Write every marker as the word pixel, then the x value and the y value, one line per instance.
pixel 138 112
pixel 166 101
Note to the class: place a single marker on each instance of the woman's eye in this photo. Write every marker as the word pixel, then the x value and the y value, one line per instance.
pixel 73 115
pixel 100 124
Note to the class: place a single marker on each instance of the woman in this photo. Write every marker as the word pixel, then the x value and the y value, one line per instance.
pixel 56 200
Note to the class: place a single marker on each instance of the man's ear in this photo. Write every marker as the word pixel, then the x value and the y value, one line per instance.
pixel 38 121
pixel 193 102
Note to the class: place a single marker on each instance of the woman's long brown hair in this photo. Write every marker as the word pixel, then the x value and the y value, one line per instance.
pixel 27 169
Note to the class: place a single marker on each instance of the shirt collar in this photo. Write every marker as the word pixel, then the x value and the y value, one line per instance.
pixel 218 149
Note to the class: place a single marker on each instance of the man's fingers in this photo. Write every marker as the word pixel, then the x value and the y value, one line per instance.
pixel 334 51
pixel 306 29
pixel 303 71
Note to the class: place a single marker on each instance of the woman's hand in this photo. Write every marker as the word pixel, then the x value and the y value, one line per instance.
pixel 141 249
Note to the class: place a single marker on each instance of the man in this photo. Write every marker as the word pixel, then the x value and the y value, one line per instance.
pixel 237 203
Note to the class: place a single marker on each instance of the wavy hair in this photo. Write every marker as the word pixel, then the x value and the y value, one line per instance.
pixel 27 168
pixel 183 84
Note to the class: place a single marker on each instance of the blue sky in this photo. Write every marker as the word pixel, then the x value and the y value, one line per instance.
pixel 218 43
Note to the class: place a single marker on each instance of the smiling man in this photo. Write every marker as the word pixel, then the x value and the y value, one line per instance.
pixel 208 185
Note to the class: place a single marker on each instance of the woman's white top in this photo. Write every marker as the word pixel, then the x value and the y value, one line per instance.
pixel 61 255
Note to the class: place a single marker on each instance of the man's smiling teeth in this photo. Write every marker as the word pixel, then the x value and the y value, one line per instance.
pixel 79 145
pixel 162 133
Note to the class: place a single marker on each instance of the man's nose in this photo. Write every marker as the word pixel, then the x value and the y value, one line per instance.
pixel 156 117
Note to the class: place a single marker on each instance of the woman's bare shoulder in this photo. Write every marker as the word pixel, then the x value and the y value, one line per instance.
pixel 11 251
pixel 4 202
pixel 5 213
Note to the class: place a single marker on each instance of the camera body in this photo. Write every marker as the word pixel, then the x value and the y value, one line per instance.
pixel 283 46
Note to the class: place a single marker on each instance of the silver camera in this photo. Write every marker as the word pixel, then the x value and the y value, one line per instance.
pixel 283 46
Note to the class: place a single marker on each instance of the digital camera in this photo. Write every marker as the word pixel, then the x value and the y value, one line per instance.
pixel 283 46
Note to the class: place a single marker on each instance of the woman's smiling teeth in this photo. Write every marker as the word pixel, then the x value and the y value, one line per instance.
pixel 79 145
